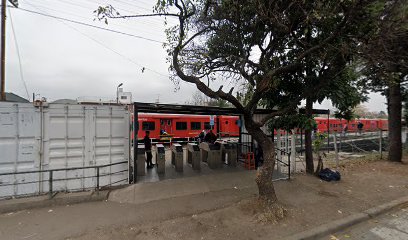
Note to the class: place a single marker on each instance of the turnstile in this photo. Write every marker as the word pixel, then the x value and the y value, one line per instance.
pixel 193 155
pixel 160 158
pixel 177 156
pixel 229 154
pixel 141 160
pixel 211 153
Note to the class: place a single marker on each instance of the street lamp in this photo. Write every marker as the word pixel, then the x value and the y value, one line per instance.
pixel 117 92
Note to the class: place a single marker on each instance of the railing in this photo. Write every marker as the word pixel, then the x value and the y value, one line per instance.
pixel 244 147
pixel 277 150
pixel 51 179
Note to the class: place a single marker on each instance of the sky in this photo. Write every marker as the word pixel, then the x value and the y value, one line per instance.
pixel 61 59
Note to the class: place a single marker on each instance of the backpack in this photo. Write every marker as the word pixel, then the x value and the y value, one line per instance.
pixel 329 175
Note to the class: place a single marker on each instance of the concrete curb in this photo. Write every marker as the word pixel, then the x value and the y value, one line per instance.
pixel 329 228
pixel 14 205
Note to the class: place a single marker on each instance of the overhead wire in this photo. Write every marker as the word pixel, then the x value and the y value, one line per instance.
pixel 108 48
pixel 147 31
pixel 116 6
pixel 88 25
pixel 18 55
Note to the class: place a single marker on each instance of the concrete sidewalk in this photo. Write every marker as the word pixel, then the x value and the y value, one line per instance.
pixel 141 192
pixel 147 192
pixel 13 205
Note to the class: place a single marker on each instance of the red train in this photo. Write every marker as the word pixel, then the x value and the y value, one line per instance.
pixel 336 124
pixel 166 126
pixel 177 126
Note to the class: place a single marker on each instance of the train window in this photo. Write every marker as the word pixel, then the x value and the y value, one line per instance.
pixel 148 126
pixel 169 122
pixel 207 125
pixel 195 126
pixel 331 125
pixel 181 125
pixel 226 122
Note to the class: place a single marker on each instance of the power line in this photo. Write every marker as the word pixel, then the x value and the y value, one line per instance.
pixel 106 47
pixel 18 55
pixel 88 25
pixel 149 31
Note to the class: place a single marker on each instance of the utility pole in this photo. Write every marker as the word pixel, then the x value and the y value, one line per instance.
pixel 3 51
pixel 3 47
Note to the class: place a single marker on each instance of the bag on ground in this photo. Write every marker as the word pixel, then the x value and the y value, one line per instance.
pixel 329 175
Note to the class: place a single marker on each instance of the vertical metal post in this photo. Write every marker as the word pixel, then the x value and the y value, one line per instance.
pixel 97 180
pixel 3 51
pixel 380 143
pixel 301 142
pixel 289 166
pixel 278 140
pixel 328 130
pixel 293 149
pixel 135 140
pixel 50 184
pixel 335 150
pixel 239 138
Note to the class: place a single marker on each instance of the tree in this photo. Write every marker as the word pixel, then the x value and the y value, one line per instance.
pixel 198 98
pixel 385 64
pixel 361 111
pixel 261 42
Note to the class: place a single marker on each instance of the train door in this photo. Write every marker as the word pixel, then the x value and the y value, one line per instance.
pixel 166 125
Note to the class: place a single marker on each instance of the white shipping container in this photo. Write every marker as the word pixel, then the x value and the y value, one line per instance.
pixel 62 136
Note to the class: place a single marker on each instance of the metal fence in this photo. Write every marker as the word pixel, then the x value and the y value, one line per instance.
pixel 282 156
pixel 52 179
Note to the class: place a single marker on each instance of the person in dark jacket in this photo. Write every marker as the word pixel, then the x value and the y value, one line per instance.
pixel 148 149
pixel 201 136
pixel 360 126
pixel 210 137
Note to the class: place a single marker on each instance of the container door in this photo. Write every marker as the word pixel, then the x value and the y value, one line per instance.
pixel 20 134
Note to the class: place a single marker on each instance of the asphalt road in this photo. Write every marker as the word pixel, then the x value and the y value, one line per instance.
pixel 390 226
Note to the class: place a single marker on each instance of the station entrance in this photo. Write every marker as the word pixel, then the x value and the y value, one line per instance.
pixel 176 142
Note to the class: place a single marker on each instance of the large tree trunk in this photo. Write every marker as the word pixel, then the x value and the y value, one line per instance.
pixel 308 139
pixel 394 122
pixel 264 177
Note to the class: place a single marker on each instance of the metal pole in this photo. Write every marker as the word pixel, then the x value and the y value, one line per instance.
pixel 328 130
pixel 50 185
pixel 335 150
pixel 380 143
pixel 3 51
pixel 135 140
pixel 289 166
pixel 293 149
pixel 97 180
pixel 301 142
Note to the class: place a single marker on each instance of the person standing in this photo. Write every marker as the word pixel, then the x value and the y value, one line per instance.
pixel 345 128
pixel 210 137
pixel 148 149
pixel 360 126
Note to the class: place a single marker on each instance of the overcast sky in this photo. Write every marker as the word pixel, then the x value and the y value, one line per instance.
pixel 61 59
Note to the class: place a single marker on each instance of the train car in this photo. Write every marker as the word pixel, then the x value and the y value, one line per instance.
pixel 383 124
pixel 229 126
pixel 184 127
pixel 369 125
